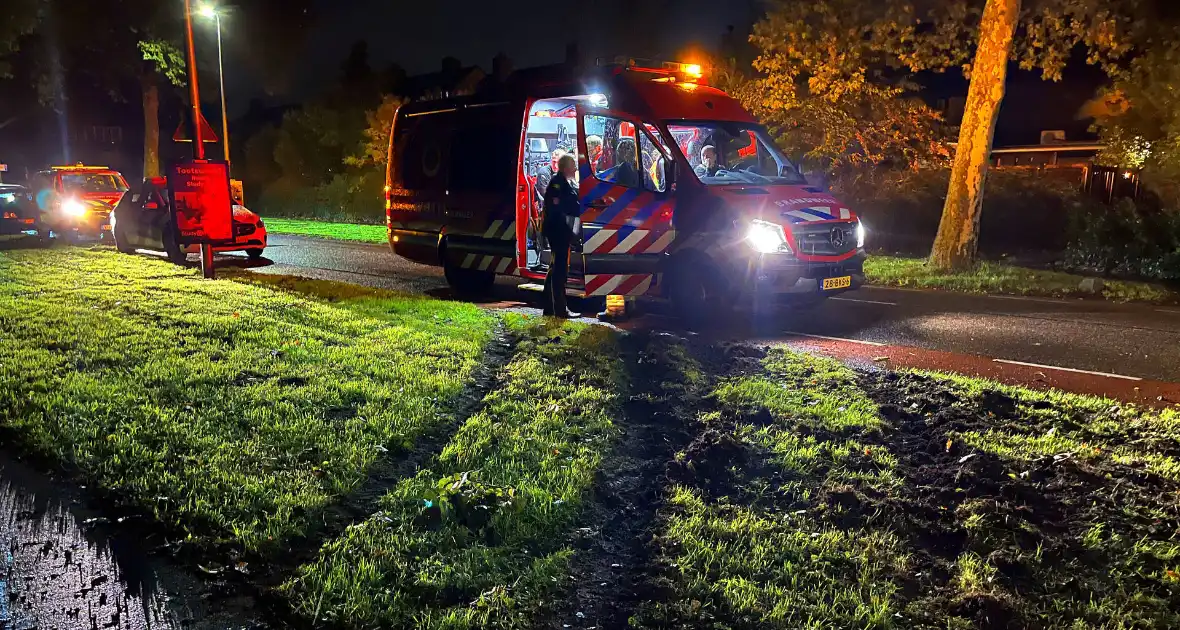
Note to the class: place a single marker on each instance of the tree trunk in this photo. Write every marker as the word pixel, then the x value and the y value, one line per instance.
pixel 151 126
pixel 958 232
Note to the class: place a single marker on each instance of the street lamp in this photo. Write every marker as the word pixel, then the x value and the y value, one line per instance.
pixel 209 12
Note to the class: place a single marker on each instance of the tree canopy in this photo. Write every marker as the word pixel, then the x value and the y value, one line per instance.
pixel 1138 117
pixel 830 93
pixel 17 19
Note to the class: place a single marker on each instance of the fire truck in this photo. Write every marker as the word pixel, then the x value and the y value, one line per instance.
pixel 76 200
pixel 684 195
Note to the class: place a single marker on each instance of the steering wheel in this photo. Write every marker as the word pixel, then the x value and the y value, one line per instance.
pixel 741 165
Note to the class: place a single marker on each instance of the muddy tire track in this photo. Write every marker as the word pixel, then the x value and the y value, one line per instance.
pixel 397 465
pixel 614 548
pixel 226 580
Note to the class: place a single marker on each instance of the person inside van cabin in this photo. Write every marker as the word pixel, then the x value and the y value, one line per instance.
pixel 625 173
pixel 561 210
pixel 594 150
pixel 708 166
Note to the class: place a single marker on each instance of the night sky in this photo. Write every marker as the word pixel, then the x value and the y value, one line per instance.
pixel 417 35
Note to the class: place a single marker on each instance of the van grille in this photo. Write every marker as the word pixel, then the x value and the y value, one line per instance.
pixel 819 239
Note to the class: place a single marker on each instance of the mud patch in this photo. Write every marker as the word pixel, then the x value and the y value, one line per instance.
pixel 1058 532
pixel 610 569
pixel 64 566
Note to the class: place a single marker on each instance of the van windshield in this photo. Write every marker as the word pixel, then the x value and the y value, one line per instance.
pixel 725 153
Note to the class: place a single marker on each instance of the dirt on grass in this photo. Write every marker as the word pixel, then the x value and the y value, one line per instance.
pixel 573 478
pixel 614 552
pixel 1061 531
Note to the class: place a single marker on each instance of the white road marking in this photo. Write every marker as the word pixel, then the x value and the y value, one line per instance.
pixel 843 299
pixel 1065 369
pixel 1168 310
pixel 1023 298
pixel 860 341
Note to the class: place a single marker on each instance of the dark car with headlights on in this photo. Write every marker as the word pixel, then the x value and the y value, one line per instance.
pixel 76 201
pixel 142 221
pixel 18 214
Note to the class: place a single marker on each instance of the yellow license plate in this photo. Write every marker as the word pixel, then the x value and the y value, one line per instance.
pixel 843 282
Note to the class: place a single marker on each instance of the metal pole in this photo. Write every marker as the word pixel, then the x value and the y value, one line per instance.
pixel 198 142
pixel 194 91
pixel 221 76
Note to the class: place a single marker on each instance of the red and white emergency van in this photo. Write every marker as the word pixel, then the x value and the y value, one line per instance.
pixel 684 195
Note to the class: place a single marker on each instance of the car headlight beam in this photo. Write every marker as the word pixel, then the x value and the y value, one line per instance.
pixel 73 208
pixel 860 235
pixel 766 237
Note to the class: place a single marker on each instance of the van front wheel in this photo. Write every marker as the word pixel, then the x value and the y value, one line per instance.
pixel 696 293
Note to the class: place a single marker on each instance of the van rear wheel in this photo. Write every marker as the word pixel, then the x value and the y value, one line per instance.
pixel 468 281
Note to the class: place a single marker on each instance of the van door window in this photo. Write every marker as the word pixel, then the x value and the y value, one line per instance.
pixel 483 157
pixel 653 161
pixel 484 152
pixel 618 161
pixel 426 141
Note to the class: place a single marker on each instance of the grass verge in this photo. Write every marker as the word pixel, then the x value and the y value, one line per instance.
pixel 819 497
pixel 477 539
pixel 327 229
pixel 999 278
pixel 234 411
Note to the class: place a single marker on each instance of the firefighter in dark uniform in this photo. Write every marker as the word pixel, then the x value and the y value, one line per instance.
pixel 557 225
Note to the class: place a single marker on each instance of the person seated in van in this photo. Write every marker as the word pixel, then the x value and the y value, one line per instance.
pixel 594 150
pixel 625 173
pixel 557 153
pixel 708 166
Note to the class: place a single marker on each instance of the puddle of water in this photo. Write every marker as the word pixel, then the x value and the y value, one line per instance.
pixel 60 568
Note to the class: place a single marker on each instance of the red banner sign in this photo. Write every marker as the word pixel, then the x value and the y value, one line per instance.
pixel 201 196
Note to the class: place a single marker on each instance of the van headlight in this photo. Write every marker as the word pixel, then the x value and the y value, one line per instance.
pixel 73 208
pixel 767 238
pixel 860 235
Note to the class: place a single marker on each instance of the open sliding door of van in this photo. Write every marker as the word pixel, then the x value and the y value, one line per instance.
pixel 626 204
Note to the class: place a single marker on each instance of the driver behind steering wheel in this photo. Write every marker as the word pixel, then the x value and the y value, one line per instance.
pixel 708 166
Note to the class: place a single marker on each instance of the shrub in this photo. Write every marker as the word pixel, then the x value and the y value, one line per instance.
pixel 351 197
pixel 1126 239
pixel 1024 210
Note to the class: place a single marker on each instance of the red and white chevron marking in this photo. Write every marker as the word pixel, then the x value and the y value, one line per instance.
pixel 501 230
pixel 606 241
pixel 483 262
pixel 612 284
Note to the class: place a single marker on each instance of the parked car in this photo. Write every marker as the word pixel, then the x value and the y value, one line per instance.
pixel 142 221
pixel 18 214
pixel 76 201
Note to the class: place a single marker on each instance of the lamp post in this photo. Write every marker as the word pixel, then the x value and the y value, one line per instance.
pixel 208 12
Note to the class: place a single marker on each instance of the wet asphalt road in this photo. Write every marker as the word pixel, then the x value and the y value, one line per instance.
pixel 1132 340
